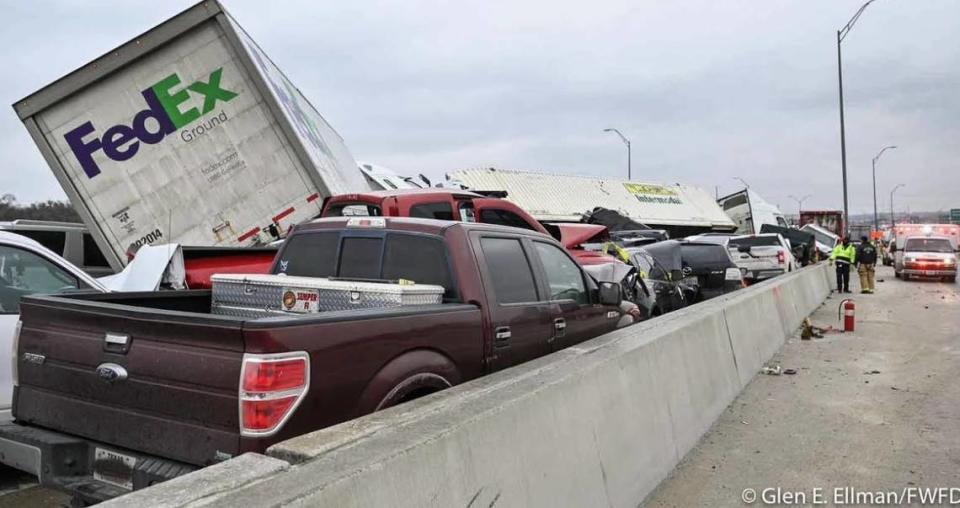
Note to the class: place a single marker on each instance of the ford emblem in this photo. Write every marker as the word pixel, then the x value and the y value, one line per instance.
pixel 111 372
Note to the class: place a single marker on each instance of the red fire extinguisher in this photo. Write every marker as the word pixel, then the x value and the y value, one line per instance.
pixel 848 308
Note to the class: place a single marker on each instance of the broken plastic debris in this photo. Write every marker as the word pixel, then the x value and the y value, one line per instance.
pixel 772 371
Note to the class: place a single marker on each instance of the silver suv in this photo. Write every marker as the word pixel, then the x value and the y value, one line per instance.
pixel 69 240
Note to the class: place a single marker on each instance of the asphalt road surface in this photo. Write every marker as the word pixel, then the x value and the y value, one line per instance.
pixel 876 410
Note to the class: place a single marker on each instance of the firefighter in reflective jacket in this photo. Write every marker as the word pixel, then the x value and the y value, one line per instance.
pixel 844 255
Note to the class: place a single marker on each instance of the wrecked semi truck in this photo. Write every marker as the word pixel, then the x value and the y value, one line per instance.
pixel 187 134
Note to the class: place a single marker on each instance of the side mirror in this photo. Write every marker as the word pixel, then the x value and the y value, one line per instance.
pixel 609 293
pixel 743 248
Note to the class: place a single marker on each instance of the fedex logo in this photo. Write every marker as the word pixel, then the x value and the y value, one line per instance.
pixel 121 142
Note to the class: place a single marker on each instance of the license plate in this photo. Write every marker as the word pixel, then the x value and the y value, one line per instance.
pixel 300 300
pixel 113 468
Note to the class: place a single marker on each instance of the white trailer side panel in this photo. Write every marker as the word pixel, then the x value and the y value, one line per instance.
pixel 330 158
pixel 551 197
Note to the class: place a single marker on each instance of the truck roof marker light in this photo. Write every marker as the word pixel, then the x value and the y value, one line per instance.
pixel 367 222
pixel 271 388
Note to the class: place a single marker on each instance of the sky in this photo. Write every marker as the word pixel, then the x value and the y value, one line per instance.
pixel 706 91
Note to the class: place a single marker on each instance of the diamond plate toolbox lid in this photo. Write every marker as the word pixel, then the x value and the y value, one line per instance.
pixel 257 295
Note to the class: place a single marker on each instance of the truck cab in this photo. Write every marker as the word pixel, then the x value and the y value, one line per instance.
pixel 466 206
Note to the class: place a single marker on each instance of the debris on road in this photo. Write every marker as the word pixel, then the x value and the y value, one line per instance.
pixel 869 372
pixel 772 371
pixel 789 372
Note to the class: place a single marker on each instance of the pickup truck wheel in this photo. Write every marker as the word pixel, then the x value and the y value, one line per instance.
pixel 412 388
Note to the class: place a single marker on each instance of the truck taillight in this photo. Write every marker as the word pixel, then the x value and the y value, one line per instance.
pixel 781 258
pixel 271 388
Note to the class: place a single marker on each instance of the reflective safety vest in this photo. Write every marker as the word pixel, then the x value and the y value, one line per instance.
pixel 843 254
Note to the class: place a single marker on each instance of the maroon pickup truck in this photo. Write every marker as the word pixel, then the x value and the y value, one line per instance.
pixel 115 392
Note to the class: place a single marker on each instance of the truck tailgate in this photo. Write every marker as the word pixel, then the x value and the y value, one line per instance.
pixel 175 377
pixel 758 258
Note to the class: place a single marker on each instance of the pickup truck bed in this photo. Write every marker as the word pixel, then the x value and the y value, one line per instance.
pixel 182 401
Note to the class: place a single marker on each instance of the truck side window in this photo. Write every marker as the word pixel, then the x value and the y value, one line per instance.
pixel 92 256
pixel 563 275
pixel 509 268
pixel 440 211
pixel 420 259
pixel 503 218
pixel 24 273
pixel 467 212
pixel 53 240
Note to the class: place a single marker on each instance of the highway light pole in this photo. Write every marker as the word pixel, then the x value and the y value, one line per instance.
pixel 626 142
pixel 893 222
pixel 841 34
pixel 876 218
pixel 799 202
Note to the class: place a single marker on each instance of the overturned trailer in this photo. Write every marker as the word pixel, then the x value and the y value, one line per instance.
pixel 679 209
pixel 190 134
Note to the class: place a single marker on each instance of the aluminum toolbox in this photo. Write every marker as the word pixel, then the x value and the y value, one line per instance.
pixel 255 295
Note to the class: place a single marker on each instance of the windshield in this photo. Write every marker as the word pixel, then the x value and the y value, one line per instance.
pixel 756 241
pixel 928 245
pixel 25 273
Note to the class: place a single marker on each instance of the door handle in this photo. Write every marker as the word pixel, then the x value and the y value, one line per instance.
pixel 559 327
pixel 501 336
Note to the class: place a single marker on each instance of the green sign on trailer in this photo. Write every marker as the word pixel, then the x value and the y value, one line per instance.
pixel 955 216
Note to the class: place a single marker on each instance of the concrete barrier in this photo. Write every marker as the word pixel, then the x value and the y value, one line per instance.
pixel 601 423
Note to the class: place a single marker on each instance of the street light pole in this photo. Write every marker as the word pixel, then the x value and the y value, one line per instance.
pixel 893 222
pixel 876 218
pixel 841 34
pixel 799 202
pixel 626 142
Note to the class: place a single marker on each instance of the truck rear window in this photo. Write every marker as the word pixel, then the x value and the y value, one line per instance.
pixel 705 255
pixel 394 256
pixel 353 210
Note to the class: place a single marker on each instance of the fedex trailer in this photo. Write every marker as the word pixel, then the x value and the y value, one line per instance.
pixel 187 134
